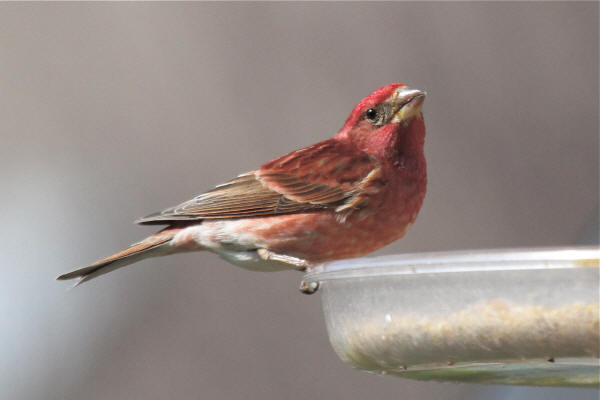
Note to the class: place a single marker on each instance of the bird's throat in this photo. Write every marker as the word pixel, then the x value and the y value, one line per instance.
pixel 405 150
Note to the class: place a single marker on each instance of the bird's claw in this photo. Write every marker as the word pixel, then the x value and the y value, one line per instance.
pixel 309 288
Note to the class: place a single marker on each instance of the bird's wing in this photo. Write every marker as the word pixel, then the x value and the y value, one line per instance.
pixel 326 176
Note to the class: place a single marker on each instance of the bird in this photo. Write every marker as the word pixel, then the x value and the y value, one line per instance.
pixel 344 197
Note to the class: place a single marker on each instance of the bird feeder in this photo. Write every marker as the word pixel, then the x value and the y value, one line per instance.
pixel 517 317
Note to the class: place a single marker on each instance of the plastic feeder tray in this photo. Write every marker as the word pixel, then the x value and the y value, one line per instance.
pixel 517 317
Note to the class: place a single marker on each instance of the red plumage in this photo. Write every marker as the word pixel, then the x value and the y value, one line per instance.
pixel 340 198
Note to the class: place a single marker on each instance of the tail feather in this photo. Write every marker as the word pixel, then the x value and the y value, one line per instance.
pixel 152 246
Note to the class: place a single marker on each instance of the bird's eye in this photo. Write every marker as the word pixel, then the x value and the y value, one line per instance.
pixel 371 114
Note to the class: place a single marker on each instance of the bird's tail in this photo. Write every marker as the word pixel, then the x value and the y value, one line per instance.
pixel 152 246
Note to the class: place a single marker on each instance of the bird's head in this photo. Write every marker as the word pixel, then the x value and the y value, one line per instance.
pixel 390 116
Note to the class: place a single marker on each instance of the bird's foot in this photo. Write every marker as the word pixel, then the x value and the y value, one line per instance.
pixel 268 255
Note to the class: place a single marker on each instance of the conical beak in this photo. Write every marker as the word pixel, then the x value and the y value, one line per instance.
pixel 409 102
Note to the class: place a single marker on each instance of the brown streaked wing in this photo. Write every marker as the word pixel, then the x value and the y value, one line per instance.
pixel 319 177
pixel 242 196
pixel 327 173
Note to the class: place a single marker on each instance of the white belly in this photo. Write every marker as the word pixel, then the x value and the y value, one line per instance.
pixel 225 238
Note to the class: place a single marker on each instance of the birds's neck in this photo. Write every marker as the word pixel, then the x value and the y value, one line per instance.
pixel 405 150
pixel 399 149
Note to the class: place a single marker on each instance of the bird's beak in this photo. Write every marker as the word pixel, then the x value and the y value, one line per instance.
pixel 408 103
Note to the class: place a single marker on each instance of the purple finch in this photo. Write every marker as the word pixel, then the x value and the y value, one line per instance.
pixel 344 197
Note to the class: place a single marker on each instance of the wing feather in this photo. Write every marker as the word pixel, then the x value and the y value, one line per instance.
pixel 327 176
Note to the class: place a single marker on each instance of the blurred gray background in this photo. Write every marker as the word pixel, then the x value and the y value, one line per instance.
pixel 111 111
